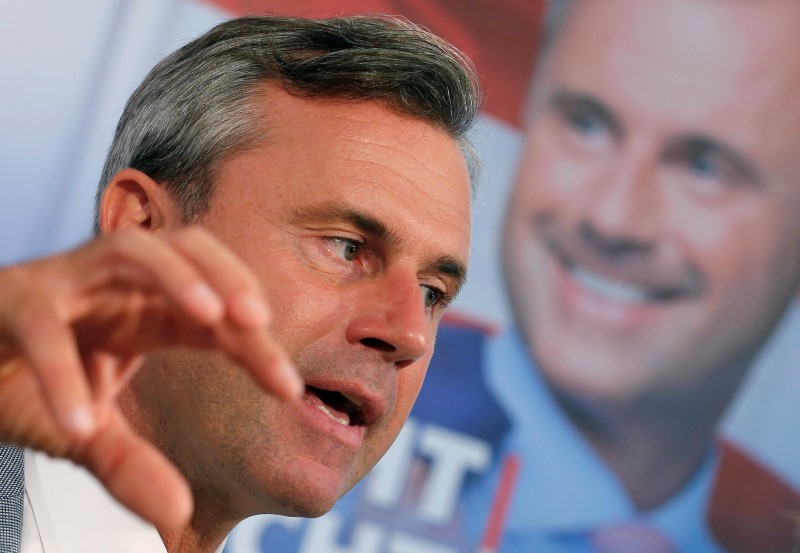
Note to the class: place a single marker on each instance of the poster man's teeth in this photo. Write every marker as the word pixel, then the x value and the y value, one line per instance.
pixel 341 420
pixel 609 288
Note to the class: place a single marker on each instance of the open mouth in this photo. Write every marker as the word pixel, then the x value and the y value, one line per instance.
pixel 336 405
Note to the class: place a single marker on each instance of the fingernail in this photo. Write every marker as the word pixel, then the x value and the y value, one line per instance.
pixel 81 421
pixel 204 298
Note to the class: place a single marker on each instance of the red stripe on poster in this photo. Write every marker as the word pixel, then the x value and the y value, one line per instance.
pixel 493 534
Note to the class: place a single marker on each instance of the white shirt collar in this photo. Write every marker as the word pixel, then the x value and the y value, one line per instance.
pixel 68 511
pixel 578 491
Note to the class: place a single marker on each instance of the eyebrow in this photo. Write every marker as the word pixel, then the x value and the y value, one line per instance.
pixel 378 230
pixel 740 163
pixel 567 101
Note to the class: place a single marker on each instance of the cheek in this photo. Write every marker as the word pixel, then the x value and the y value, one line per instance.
pixel 737 251
pixel 304 307
pixel 409 382
pixel 298 326
pixel 710 234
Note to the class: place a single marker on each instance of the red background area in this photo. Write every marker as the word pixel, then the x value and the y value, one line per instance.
pixel 500 36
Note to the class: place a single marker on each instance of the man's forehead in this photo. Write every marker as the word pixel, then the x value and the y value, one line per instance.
pixel 706 55
pixel 719 30
pixel 362 158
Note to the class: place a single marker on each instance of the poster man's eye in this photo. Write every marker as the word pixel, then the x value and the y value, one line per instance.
pixel 585 123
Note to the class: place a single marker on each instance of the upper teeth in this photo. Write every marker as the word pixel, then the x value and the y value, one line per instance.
pixel 338 418
pixel 612 289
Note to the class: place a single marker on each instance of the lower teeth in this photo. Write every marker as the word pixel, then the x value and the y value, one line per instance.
pixel 341 420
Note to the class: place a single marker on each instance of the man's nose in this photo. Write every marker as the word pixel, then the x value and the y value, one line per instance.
pixel 624 207
pixel 391 319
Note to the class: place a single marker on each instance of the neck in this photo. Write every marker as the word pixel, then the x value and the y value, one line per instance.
pixel 211 520
pixel 203 534
pixel 653 444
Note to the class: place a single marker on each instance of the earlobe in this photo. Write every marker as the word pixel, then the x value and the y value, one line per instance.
pixel 134 200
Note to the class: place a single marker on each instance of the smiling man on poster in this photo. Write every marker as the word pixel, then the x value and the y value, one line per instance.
pixel 650 248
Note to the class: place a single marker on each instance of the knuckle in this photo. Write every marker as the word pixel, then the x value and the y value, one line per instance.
pixel 33 318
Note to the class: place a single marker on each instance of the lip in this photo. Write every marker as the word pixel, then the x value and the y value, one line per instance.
pixel 624 294
pixel 371 405
pixel 656 283
pixel 599 308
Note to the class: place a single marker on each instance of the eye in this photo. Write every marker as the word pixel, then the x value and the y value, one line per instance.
pixel 707 168
pixel 584 115
pixel 432 296
pixel 703 164
pixel 345 248
pixel 585 122
pixel 708 173
pixel 341 258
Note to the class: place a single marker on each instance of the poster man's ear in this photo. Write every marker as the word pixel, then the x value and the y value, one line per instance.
pixel 133 199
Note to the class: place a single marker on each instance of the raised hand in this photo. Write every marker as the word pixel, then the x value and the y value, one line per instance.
pixel 75 327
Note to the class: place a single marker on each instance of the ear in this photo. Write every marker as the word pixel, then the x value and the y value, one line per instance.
pixel 132 199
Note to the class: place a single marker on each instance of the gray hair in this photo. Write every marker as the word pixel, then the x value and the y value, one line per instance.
pixel 196 107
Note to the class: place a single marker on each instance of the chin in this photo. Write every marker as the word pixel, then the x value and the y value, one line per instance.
pixel 304 504
pixel 304 510
pixel 586 377
pixel 606 387
pixel 309 491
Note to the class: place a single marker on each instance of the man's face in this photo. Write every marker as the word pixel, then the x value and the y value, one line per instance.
pixel 653 236
pixel 357 222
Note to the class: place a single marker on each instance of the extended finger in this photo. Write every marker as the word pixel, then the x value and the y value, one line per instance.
pixel 138 475
pixel 261 355
pixel 145 260
pixel 229 276
pixel 47 342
